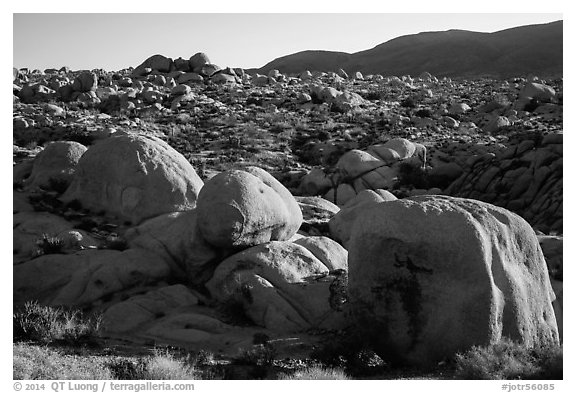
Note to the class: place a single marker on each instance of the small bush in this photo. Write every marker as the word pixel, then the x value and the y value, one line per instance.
pixel 126 369
pixel 424 113
pixel 116 243
pixel 510 360
pixel 47 324
pixel 259 355
pixel 49 245
pixel 411 175
pixel 315 373
pixel 408 103
pixel 164 366
pixel 365 363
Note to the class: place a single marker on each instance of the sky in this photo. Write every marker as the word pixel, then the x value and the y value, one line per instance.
pixel 249 40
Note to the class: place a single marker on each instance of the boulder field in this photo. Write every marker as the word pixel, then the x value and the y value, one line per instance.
pixel 200 206
pixel 421 278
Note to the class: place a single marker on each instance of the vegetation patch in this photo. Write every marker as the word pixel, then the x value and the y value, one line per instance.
pixel 510 360
pixel 44 324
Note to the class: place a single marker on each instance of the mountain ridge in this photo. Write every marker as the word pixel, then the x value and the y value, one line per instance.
pixel 517 51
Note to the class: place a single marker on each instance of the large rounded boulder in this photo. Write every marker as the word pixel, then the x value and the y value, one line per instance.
pixel 134 177
pixel 85 82
pixel 197 61
pixel 243 208
pixel 434 275
pixel 56 164
pixel 158 63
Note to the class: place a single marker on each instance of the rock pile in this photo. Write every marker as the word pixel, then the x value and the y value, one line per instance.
pixel 376 168
pixel 526 178
pixel 173 211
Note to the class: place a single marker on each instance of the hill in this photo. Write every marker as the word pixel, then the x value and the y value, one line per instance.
pixel 533 49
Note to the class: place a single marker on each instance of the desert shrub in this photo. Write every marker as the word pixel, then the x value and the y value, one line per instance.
pixel 510 360
pixel 127 369
pixel 35 322
pixel 323 135
pixel 424 113
pixel 373 95
pixel 411 175
pixel 408 103
pixel 259 355
pixel 232 311
pixel 204 358
pixel 350 353
pixel 365 363
pixel 315 373
pixel 49 245
pixel 81 136
pixel 48 324
pixel 116 243
pixel 33 362
pixel 165 366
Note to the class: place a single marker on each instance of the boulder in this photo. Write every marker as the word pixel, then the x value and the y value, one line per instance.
pixel 245 208
pixel 134 177
pixel 431 276
pixel 496 123
pixel 29 227
pixel 176 239
pixel 222 78
pixel 85 82
pixel 139 310
pixel 208 69
pixel 86 277
pixel 283 286
pixel 154 63
pixel 181 64
pixel 538 91
pixel 316 209
pixel 356 163
pixel 341 223
pixel 190 77
pixel 55 165
pixel 54 110
pixel 459 108
pixel 180 90
pixel 342 74
pixel 315 182
pixel 347 101
pixel 341 194
pixel 197 61
pixel 443 175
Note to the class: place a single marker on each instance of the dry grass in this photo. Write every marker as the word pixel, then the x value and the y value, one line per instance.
pixel 316 373
pixel 46 324
pixel 33 362
pixel 164 366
